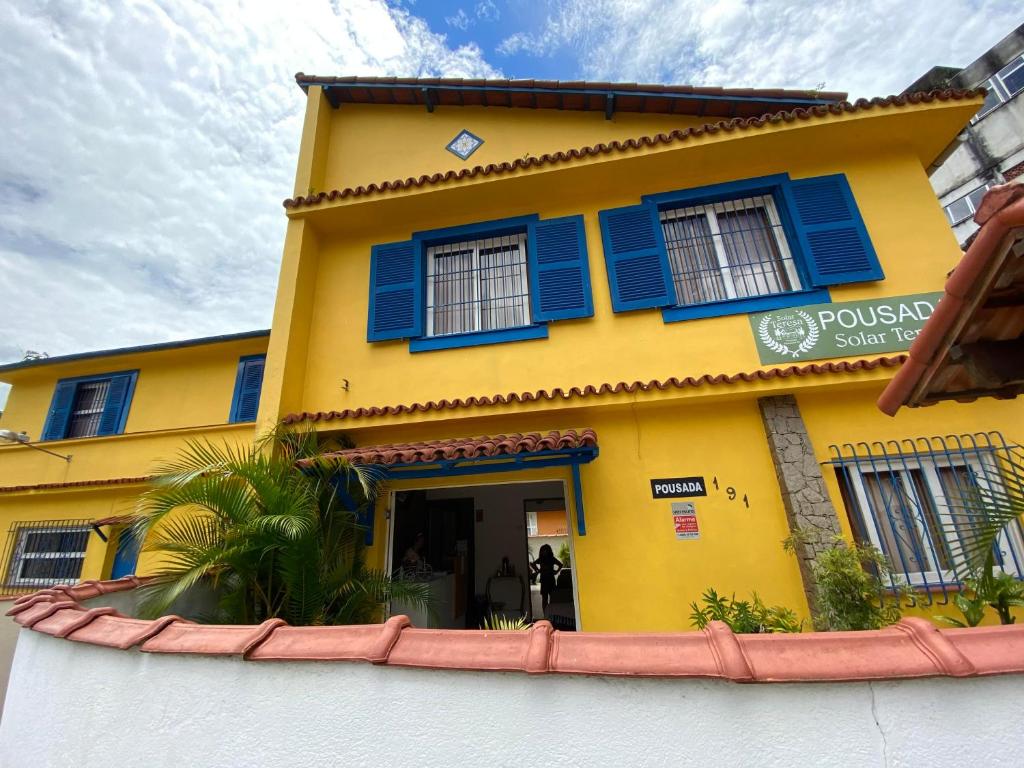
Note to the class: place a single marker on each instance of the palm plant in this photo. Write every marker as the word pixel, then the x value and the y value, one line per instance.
pixel 272 529
pixel 984 509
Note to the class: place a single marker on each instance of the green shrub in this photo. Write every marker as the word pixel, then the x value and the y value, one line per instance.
pixel 851 583
pixel 742 616
pixel 563 555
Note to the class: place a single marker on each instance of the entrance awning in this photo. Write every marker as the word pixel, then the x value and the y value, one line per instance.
pixel 483 455
pixel 973 345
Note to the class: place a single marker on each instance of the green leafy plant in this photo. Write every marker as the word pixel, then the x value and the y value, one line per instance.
pixel 971 605
pixel 851 585
pixel 270 530
pixel 743 616
pixel 498 622
pixel 563 555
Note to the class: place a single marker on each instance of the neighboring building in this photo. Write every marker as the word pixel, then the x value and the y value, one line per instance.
pixel 990 150
pixel 645 307
pixel 116 414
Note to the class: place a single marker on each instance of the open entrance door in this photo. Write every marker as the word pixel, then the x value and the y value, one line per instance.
pixel 480 549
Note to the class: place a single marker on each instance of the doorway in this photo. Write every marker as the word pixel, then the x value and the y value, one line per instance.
pixel 473 545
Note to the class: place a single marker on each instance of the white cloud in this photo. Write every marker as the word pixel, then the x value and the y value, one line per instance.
pixel 145 149
pixel 460 20
pixel 487 11
pixel 865 48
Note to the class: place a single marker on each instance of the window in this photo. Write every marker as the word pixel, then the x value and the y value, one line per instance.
pixel 477 285
pixel 47 554
pixel 245 402
pixel 913 511
pixel 90 406
pixel 531 523
pixel 740 246
pixel 728 250
pixel 1002 86
pixel 965 207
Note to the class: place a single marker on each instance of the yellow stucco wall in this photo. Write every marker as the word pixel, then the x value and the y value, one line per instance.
pixel 181 394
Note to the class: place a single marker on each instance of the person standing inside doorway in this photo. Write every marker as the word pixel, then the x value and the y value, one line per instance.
pixel 547 567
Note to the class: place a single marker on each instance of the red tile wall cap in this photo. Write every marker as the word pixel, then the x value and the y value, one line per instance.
pixel 115 520
pixel 1001 215
pixel 737 123
pixel 910 649
pixel 467 448
pixel 303 79
pixel 591 390
pixel 76 484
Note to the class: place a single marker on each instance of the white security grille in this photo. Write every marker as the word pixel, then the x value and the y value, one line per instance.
pixel 477 285
pixel 90 397
pixel 729 250
pixel 47 554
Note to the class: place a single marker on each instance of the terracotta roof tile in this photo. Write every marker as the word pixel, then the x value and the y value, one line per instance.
pixel 912 648
pixel 467 448
pixel 802 113
pixel 592 390
pixel 962 313
pixel 76 484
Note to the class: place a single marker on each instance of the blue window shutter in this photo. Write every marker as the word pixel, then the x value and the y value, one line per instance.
pixel 115 410
pixel 634 252
pixel 248 384
pixel 60 411
pixel 396 292
pixel 832 231
pixel 559 270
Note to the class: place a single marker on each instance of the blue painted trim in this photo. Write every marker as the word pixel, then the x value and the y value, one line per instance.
pixel 485 465
pixel 76 380
pixel 535 268
pixel 328 85
pixel 856 220
pixel 713 193
pixel 417 286
pixel 493 228
pixel 364 519
pixel 478 338
pixel 744 306
pixel 577 492
pixel 457 135
pixel 239 378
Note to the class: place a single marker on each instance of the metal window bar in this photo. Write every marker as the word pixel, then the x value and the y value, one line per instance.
pixel 729 250
pixel 925 502
pixel 478 285
pixel 40 554
pixel 87 409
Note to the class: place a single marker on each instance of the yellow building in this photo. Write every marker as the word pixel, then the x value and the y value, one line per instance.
pixel 647 306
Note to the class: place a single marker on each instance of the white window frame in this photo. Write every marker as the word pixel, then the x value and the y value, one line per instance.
pixel 476 246
pixel 997 85
pixel 531 523
pixel 710 211
pixel 20 556
pixel 982 468
pixel 970 205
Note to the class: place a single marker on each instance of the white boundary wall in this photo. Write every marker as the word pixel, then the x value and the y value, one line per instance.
pixel 73 704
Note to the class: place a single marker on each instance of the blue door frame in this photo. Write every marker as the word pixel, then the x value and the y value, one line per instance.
pixel 127 556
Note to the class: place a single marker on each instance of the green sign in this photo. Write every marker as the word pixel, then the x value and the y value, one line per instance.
pixel 847 328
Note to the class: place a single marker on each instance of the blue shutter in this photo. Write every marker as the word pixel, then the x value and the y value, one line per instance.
pixel 396 292
pixel 634 252
pixel 115 410
pixel 832 231
pixel 559 271
pixel 60 411
pixel 248 384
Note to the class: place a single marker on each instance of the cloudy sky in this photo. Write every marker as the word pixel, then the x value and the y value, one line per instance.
pixel 145 147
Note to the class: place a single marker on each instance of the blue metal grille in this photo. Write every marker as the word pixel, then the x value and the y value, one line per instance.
pixel 923 501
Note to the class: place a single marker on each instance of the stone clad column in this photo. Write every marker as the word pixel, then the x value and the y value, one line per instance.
pixel 804 494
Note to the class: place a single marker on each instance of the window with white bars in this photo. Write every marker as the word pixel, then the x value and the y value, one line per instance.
pixel 48 555
pixel 964 207
pixel 1002 86
pixel 912 510
pixel 87 409
pixel 477 285
pixel 733 249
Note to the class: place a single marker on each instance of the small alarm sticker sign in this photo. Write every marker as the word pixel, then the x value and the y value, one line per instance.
pixel 684 519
